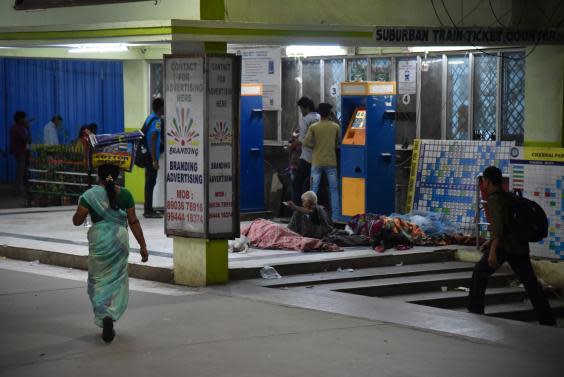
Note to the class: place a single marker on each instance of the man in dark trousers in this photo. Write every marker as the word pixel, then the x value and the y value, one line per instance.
pixel 20 142
pixel 301 176
pixel 153 124
pixel 503 246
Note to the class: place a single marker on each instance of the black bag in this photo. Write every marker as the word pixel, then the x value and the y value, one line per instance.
pixel 528 220
pixel 143 157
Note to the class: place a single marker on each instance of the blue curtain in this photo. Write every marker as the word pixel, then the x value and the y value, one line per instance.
pixel 82 92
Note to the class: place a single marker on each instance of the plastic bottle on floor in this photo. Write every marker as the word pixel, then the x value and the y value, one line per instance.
pixel 268 272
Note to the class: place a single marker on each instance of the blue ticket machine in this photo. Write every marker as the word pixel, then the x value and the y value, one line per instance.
pixel 251 152
pixel 368 148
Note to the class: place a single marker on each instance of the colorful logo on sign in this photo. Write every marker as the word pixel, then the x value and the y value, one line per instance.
pixel 221 134
pixel 182 131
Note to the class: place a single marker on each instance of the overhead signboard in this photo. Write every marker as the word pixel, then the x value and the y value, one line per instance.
pixel 201 110
pixel 446 36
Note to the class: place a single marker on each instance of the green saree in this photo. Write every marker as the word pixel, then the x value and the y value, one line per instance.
pixel 108 244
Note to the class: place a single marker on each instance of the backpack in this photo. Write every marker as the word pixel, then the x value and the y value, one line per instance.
pixel 528 221
pixel 143 157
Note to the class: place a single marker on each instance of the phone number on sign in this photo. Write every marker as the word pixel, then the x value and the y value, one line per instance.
pixel 180 205
pixel 190 217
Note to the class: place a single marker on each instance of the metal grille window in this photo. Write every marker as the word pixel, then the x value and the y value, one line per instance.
pixel 291 90
pixel 458 94
pixel 311 79
pixel 381 69
pixel 513 97
pixel 270 124
pixel 357 69
pixel 334 74
pixel 485 97
pixel 155 81
pixel 431 97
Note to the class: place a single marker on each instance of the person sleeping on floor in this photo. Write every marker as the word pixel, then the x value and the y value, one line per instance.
pixel 310 229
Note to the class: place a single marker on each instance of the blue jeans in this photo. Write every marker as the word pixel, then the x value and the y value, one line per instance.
pixel 331 173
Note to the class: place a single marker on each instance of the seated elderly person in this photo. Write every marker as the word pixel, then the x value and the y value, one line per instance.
pixel 311 220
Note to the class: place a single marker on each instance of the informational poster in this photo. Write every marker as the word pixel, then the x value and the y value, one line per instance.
pixel 263 65
pixel 539 174
pixel 185 205
pixel 221 136
pixel 407 76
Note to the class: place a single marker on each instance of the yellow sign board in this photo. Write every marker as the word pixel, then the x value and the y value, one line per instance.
pixel 544 154
pixel 121 155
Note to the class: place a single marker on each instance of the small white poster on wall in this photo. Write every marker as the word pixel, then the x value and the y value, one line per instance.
pixel 407 76
pixel 262 65
pixel 184 146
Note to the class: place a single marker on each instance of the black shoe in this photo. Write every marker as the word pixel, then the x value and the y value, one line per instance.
pixel 108 332
pixel 152 215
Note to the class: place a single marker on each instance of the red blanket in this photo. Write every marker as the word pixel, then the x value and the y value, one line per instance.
pixel 264 234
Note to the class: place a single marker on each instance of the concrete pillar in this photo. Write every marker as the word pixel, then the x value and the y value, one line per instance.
pixel 199 262
pixel 544 97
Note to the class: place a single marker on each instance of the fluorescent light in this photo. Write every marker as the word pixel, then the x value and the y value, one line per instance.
pixel 305 50
pixel 456 62
pixel 442 48
pixel 97 48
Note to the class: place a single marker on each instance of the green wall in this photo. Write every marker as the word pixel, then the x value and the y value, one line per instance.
pixel 544 96
pixel 366 12
pixel 136 102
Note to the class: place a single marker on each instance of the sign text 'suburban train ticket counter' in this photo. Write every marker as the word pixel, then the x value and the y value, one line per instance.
pixel 368 148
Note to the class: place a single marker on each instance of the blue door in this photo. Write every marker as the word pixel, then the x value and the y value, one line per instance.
pixel 251 131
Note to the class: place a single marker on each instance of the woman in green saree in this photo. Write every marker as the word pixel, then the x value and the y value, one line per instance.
pixel 111 209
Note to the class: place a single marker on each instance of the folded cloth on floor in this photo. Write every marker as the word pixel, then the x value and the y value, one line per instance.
pixel 404 231
pixel 432 223
pixel 265 234
pixel 366 224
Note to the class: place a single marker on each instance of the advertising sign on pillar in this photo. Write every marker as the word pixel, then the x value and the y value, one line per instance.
pixel 184 146
pixel 223 91
pixel 201 118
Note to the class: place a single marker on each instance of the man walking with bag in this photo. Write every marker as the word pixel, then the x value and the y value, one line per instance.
pixel 505 245
pixel 152 141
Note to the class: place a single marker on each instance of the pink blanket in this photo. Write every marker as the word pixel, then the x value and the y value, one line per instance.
pixel 265 234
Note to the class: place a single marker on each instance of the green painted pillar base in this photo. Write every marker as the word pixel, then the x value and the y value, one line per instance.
pixel 199 262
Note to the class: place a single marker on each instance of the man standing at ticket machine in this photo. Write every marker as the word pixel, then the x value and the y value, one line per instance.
pixel 324 137
pixel 301 177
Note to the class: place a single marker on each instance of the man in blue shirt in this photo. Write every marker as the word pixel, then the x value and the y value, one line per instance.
pixel 153 123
